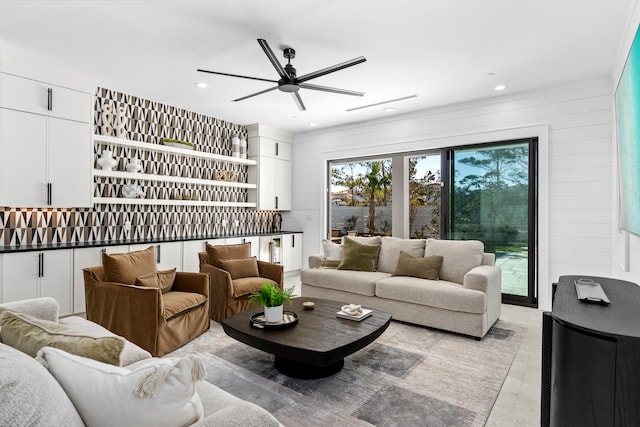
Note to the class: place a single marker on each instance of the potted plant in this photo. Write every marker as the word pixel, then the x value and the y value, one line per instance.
pixel 272 299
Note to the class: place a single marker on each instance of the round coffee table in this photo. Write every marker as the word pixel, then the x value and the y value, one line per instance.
pixel 317 345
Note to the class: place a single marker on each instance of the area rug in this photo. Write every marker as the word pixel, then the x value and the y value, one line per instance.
pixel 410 376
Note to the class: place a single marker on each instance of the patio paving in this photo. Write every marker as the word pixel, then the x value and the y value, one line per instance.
pixel 514 272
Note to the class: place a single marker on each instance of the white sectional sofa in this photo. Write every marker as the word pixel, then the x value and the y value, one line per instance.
pixel 466 299
pixel 31 396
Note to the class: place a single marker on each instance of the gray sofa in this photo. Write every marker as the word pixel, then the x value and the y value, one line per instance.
pixel 466 299
pixel 30 395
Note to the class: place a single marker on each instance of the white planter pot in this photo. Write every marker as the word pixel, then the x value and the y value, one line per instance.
pixel 273 314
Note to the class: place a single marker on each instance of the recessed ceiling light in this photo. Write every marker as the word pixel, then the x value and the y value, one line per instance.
pixel 390 109
pixel 201 85
pixel 500 87
pixel 313 124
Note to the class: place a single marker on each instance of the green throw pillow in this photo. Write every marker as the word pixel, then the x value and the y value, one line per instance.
pixel 357 256
pixel 29 334
pixel 422 267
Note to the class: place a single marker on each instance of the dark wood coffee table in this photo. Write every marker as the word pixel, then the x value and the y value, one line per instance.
pixel 317 345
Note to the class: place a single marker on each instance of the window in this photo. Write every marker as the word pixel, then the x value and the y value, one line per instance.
pixel 360 197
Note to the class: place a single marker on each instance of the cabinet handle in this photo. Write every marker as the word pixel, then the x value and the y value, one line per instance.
pixel 40 265
pixel 293 240
pixel 158 254
pixel 49 193
pixel 244 240
pixel 276 202
pixel 277 147
pixel 103 250
pixel 49 99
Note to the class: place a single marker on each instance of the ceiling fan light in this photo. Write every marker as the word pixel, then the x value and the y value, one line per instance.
pixel 288 87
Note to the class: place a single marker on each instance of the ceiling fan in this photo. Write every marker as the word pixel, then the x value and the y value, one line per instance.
pixel 289 81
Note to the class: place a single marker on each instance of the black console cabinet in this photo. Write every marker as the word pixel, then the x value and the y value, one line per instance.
pixel 591 357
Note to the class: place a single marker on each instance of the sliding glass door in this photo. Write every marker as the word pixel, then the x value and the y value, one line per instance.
pixel 492 190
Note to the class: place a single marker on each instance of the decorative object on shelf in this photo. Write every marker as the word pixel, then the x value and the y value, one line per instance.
pixel 235 146
pixel 243 148
pixel 272 299
pixel 120 122
pixel 230 176
pixel 134 165
pixel 132 191
pixel 106 161
pixel 178 144
pixel 107 119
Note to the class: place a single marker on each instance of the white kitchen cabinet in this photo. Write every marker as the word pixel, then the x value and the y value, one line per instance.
pixel 45 144
pixel 271 149
pixel 190 250
pixel 83 258
pixel 292 251
pixel 39 274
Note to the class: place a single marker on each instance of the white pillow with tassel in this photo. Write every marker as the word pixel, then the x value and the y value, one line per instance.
pixel 158 393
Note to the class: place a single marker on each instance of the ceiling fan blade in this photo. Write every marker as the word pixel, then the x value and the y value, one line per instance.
pixel 334 68
pixel 331 89
pixel 298 100
pixel 257 93
pixel 274 61
pixel 236 75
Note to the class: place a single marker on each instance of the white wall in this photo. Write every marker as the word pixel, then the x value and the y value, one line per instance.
pixel 626 251
pixel 574 125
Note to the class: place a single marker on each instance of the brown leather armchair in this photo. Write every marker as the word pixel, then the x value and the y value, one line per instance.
pixel 156 321
pixel 231 295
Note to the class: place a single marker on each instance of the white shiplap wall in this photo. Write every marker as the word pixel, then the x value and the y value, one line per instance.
pixel 574 125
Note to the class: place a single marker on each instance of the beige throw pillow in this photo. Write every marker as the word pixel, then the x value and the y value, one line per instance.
pixel 219 252
pixel 29 334
pixel 126 267
pixel 358 256
pixel 241 267
pixel 422 267
pixel 162 280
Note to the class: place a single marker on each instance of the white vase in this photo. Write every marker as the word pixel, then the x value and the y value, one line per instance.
pixel 134 165
pixel 106 160
pixel 273 314
pixel 235 146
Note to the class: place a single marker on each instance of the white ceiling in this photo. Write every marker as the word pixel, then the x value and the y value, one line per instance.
pixel 439 50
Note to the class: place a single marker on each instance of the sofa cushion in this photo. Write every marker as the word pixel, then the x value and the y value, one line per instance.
pixel 433 293
pixel 126 267
pixel 218 252
pixel 176 303
pixel 459 256
pixel 422 267
pixel 162 280
pixel 160 392
pixel 246 285
pixel 30 396
pixel 358 256
pixel 357 282
pixel 390 248
pixel 240 267
pixel 29 334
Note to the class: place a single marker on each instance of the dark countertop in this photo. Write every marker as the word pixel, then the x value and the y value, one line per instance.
pixel 77 245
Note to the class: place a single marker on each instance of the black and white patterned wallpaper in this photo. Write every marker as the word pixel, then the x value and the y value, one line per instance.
pixel 149 122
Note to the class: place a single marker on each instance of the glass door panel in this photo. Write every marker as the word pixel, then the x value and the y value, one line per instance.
pixel 492 199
